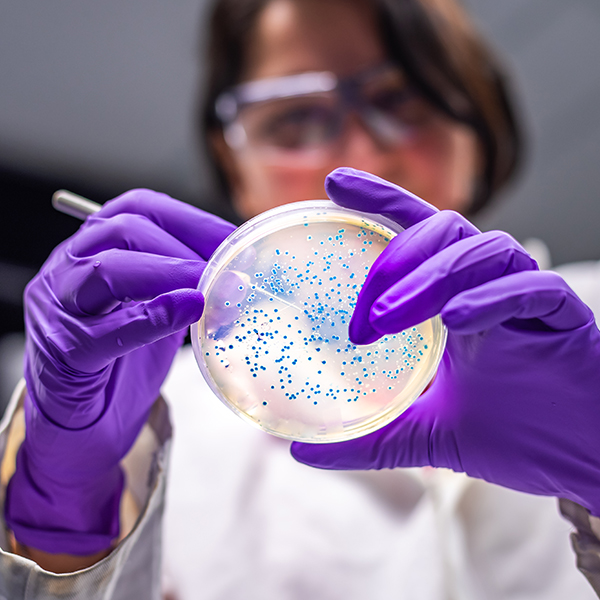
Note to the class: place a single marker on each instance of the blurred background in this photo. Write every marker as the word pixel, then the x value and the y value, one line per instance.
pixel 98 97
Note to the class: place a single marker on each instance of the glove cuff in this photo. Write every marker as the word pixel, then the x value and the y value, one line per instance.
pixel 62 519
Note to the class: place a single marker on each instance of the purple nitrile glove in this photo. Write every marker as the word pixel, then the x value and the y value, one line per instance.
pixel 516 399
pixel 104 318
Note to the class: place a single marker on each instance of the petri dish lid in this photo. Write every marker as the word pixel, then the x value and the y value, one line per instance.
pixel 273 341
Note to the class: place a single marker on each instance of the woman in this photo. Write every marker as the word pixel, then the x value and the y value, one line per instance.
pixel 458 142
pixel 406 91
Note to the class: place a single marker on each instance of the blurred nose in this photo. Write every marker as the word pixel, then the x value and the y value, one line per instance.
pixel 359 148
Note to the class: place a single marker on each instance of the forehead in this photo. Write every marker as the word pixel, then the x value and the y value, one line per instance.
pixel 293 36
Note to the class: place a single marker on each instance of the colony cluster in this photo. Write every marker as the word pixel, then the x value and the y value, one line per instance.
pixel 290 342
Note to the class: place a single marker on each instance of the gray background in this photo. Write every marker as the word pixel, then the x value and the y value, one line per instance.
pixel 105 90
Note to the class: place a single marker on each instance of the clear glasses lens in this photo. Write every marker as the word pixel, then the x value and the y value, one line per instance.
pixel 307 125
pixel 292 123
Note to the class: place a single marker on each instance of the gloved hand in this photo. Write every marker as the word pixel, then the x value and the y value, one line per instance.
pixel 516 399
pixel 104 318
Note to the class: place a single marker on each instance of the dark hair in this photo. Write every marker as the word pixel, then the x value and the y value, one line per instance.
pixel 436 45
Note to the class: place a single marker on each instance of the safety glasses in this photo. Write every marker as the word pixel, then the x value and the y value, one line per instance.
pixel 300 119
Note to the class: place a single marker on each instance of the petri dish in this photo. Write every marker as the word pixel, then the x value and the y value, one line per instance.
pixel 273 341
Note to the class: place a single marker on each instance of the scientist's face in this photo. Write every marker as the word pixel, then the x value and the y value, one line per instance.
pixel 430 155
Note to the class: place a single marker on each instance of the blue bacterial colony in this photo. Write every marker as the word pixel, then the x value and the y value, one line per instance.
pixel 274 335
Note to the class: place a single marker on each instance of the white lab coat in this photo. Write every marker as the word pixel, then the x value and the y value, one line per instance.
pixel 243 520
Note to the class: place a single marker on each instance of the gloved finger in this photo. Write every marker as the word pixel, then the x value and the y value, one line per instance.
pixel 423 293
pixel 229 290
pixel 197 229
pixel 541 295
pixel 128 232
pixel 96 342
pixel 359 190
pixel 402 443
pixel 406 252
pixel 97 284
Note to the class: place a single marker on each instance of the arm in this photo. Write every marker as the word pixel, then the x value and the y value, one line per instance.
pixel 516 397
pixel 132 569
pixel 104 318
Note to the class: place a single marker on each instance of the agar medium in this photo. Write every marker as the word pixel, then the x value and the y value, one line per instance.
pixel 273 341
